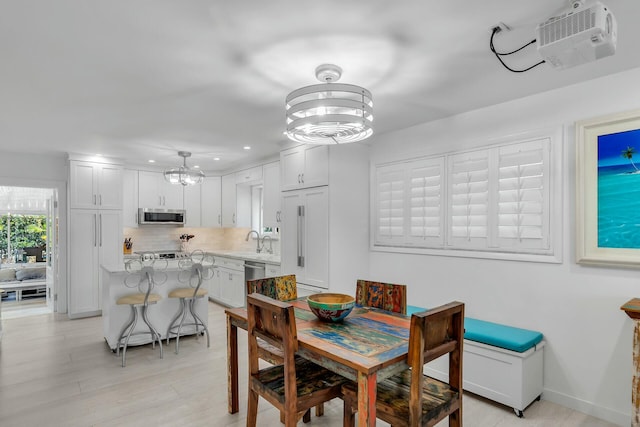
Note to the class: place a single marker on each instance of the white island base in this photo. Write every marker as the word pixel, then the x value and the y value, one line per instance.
pixel 114 316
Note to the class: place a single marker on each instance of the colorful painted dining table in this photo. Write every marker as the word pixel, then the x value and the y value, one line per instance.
pixel 368 346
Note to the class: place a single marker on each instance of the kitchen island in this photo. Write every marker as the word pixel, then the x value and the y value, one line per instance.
pixel 161 314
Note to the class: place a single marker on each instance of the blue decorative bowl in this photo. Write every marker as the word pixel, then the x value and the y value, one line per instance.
pixel 331 307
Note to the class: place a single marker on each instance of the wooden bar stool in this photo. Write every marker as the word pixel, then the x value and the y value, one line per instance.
pixel 142 277
pixel 195 269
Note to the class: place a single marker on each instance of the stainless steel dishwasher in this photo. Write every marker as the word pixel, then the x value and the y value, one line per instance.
pixel 253 270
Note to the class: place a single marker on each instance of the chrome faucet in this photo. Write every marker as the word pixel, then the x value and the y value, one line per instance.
pixel 270 250
pixel 258 249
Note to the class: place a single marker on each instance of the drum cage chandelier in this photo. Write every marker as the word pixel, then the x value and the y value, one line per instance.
pixel 329 113
pixel 183 175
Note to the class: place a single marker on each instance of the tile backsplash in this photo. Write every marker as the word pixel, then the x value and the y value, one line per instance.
pixel 167 237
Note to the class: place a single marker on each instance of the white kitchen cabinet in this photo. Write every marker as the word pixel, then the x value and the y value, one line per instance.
pixel 95 185
pixel 95 238
pixel 232 287
pixel 271 214
pixel 130 198
pixel 249 175
pixel 304 166
pixel 155 192
pixel 305 235
pixel 211 202
pixel 229 200
pixel 192 205
pixel 271 270
pixel 214 285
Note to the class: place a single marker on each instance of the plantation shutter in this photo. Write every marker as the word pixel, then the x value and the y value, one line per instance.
pixel 426 202
pixel 523 195
pixel 390 204
pixel 469 199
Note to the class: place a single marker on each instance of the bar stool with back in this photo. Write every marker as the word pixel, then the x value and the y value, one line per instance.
pixel 144 275
pixel 195 269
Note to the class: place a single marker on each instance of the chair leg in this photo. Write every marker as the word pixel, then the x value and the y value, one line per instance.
pixel 126 341
pixel 173 321
pixel 154 334
pixel 320 410
pixel 252 409
pixel 349 414
pixel 455 418
pixel 197 319
pixel 183 304
pixel 123 331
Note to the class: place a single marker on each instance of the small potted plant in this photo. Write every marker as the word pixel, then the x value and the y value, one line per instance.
pixel 184 241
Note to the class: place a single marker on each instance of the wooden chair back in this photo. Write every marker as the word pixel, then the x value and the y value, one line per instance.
pixel 281 288
pixel 273 322
pixel 435 333
pixel 411 398
pixel 385 296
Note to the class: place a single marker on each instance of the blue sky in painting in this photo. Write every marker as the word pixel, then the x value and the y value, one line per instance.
pixel 610 148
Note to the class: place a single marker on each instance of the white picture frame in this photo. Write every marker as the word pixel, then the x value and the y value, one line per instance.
pixel 588 133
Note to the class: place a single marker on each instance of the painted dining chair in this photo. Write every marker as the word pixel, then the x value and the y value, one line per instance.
pixel 281 288
pixel 411 398
pixel 385 296
pixel 296 385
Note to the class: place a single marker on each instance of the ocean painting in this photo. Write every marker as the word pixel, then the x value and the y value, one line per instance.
pixel 619 190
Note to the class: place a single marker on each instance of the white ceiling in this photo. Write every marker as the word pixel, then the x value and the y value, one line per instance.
pixel 145 78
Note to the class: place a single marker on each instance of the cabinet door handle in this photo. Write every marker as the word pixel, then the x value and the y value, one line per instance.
pixel 100 199
pixel 159 200
pixel 94 199
pixel 95 230
pixel 302 177
pixel 100 230
pixel 233 218
pixel 219 219
pixel 164 201
pixel 300 243
pixel 299 179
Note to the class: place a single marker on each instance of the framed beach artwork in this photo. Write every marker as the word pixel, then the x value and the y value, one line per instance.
pixel 608 190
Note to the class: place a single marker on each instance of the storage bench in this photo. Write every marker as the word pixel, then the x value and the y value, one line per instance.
pixel 501 363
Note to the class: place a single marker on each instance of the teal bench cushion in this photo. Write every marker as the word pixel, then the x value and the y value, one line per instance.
pixel 514 339
pixel 495 334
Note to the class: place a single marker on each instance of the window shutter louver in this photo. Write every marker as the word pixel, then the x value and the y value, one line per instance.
pixel 523 195
pixel 426 203
pixel 390 204
pixel 469 199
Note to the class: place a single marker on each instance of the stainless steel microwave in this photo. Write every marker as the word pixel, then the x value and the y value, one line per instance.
pixel 162 216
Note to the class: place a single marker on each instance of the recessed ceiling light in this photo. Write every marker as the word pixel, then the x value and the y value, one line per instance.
pixel 196 167
pixel 216 158
pixel 152 161
pixel 246 147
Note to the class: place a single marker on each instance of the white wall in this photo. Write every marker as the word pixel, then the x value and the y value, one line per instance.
pixel 588 363
pixel 33 170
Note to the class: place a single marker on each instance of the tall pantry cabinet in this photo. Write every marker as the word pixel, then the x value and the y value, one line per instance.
pixel 95 230
pixel 325 216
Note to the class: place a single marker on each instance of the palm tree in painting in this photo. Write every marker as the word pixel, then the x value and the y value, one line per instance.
pixel 628 154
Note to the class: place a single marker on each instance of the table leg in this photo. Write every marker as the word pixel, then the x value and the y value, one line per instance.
pixel 232 367
pixel 367 389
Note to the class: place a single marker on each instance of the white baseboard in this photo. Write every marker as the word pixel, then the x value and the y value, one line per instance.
pixel 588 408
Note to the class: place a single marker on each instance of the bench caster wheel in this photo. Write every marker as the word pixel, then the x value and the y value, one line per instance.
pixel 538 398
pixel 518 412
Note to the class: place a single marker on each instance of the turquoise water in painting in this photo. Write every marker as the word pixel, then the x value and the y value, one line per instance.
pixel 618 207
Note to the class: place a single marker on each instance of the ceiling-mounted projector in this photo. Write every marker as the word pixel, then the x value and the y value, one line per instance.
pixel 584 33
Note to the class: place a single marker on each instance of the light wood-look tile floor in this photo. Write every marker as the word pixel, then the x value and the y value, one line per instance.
pixel 60 372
